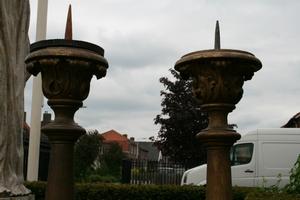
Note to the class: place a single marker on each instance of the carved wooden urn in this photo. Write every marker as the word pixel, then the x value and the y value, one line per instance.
pixel 218 76
pixel 67 67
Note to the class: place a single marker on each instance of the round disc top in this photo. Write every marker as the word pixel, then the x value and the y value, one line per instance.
pixel 220 54
pixel 66 43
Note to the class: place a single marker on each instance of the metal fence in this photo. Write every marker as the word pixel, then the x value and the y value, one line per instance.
pixel 151 172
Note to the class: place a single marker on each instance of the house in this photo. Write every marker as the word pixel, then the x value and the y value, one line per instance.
pixel 153 151
pixel 129 147
pixel 138 151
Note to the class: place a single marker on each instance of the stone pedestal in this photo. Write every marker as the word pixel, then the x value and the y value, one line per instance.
pixel 218 77
pixel 27 197
pixel 67 67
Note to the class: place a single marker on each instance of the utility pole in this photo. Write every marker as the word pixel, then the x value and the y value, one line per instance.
pixel 37 100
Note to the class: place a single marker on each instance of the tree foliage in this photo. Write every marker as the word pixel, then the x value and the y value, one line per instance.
pixel 111 160
pixel 180 120
pixel 294 185
pixel 86 151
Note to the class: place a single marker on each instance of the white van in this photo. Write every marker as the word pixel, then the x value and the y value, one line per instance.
pixel 260 158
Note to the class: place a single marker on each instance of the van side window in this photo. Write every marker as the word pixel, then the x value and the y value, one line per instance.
pixel 241 154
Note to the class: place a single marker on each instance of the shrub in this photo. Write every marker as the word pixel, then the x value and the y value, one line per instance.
pixel 96 191
pixel 294 185
pixel 100 191
pixel 102 179
pixel 271 196
pixel 86 151
pixel 137 192
pixel 240 193
pixel 37 188
pixel 112 160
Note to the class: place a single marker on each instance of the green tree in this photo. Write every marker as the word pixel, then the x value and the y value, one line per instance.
pixel 86 151
pixel 181 119
pixel 111 160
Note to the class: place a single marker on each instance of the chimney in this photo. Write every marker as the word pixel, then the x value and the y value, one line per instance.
pixel 131 139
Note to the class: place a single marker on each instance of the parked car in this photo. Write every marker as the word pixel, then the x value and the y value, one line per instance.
pixel 263 157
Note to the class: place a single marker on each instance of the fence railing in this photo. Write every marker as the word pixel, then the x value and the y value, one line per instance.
pixel 151 172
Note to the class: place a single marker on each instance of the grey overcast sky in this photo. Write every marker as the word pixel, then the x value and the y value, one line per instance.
pixel 143 39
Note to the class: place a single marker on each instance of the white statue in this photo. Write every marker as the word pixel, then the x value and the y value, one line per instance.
pixel 14 46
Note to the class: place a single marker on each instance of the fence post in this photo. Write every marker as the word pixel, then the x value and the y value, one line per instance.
pixel 126 171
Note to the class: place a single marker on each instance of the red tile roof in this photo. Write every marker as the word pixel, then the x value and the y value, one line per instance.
pixel 114 136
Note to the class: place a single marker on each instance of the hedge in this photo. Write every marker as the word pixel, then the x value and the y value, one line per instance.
pixel 272 196
pixel 101 191
pixel 97 191
pixel 137 192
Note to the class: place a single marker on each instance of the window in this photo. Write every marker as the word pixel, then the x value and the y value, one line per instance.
pixel 241 154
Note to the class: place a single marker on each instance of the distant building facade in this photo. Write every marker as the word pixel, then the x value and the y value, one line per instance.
pixel 153 151
pixel 130 148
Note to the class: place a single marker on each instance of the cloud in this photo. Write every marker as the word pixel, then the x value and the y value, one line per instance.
pixel 138 50
pixel 143 39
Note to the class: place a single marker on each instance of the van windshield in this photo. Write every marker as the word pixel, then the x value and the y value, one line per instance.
pixel 241 154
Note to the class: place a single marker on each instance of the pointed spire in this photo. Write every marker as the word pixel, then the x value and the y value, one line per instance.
pixel 217 36
pixel 68 32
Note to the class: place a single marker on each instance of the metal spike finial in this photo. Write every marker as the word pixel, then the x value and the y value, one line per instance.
pixel 217 36
pixel 68 32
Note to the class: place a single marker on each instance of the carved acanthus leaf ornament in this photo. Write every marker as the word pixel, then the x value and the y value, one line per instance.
pixel 219 79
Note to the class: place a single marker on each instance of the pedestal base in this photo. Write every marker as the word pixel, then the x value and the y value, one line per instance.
pixel 218 143
pixel 27 197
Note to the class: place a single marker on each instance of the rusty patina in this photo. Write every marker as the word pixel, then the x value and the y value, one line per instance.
pixel 67 67
pixel 218 77
pixel 69 31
